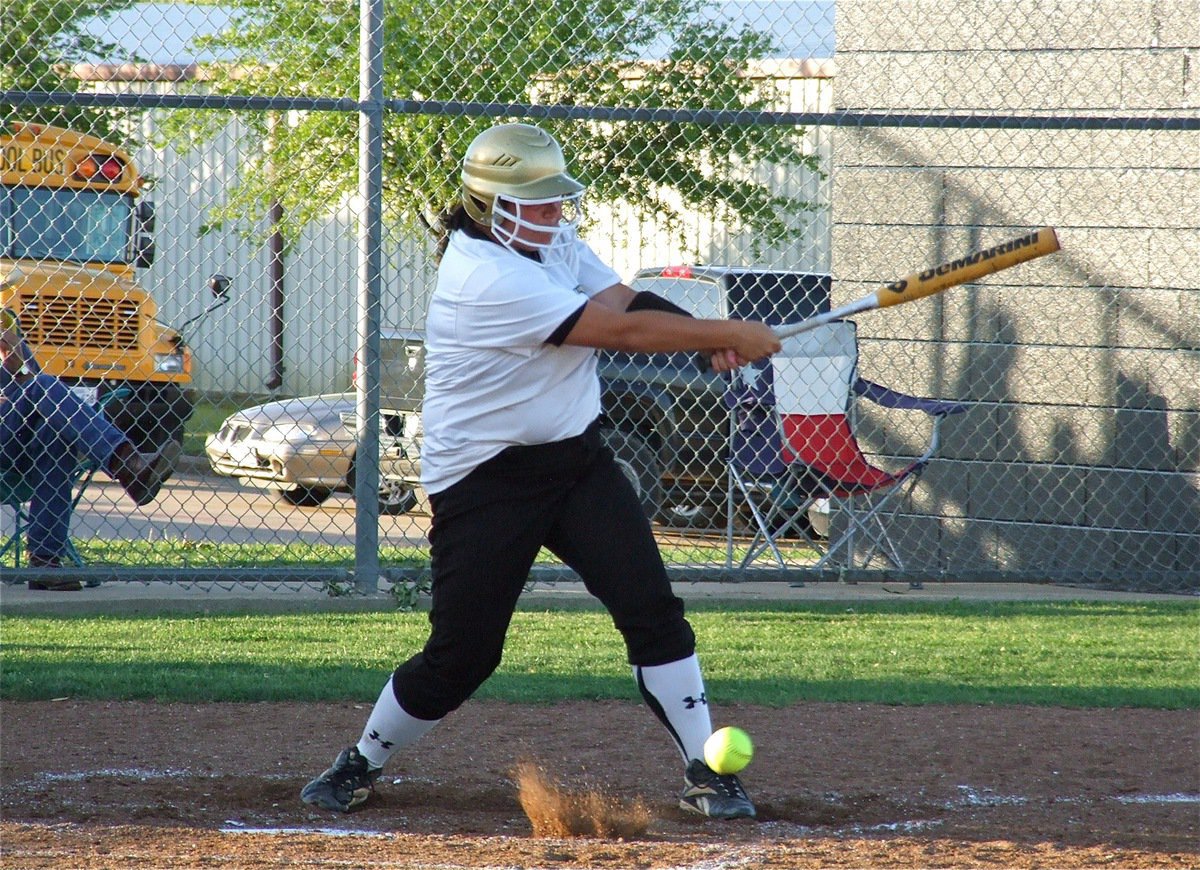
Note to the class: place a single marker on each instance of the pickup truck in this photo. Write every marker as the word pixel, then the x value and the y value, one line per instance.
pixel 667 422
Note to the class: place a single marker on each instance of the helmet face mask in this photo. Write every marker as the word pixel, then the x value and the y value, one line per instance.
pixel 507 170
pixel 511 226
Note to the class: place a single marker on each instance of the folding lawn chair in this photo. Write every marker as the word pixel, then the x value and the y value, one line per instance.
pixel 793 443
pixel 15 492
pixel 16 489
pixel 762 490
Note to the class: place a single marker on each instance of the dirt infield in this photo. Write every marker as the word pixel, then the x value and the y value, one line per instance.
pixel 125 784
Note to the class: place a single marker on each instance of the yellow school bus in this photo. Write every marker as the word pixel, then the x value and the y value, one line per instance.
pixel 74 231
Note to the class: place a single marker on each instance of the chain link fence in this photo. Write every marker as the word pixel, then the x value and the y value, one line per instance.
pixel 747 159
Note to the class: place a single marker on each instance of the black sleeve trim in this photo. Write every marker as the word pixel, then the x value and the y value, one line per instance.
pixel 564 329
pixel 647 301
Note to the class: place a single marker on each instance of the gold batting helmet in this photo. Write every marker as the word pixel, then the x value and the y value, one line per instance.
pixel 517 162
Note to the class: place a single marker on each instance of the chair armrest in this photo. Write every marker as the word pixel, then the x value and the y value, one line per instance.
pixel 887 398
pixel 116 395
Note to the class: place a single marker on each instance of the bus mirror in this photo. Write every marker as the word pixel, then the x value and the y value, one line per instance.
pixel 219 285
pixel 145 216
pixel 145 252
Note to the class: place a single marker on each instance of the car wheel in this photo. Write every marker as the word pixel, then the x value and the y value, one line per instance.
pixel 639 464
pixel 305 496
pixel 396 498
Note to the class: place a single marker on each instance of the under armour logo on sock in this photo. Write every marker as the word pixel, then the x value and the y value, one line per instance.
pixel 386 744
pixel 692 702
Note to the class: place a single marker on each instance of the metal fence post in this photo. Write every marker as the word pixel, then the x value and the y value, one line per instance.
pixel 370 234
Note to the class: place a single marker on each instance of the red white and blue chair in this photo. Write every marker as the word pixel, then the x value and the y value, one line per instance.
pixel 793 444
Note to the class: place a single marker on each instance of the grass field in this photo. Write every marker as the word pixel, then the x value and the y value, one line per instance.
pixel 184 553
pixel 1080 654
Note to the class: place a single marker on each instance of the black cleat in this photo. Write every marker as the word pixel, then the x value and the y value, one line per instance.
pixel 344 786
pixel 718 796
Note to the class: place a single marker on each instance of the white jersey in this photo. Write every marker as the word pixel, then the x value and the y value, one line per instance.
pixel 491 380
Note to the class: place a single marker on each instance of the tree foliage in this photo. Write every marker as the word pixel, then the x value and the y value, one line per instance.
pixel 40 42
pixel 583 52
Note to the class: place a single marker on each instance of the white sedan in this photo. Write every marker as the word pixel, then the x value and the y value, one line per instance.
pixel 305 450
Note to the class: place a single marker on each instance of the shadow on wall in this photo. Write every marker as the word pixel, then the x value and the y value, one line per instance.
pixel 1104 490
pixel 1142 441
pixel 1106 495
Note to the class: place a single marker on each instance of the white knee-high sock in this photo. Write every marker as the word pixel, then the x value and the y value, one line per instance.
pixel 389 729
pixel 675 692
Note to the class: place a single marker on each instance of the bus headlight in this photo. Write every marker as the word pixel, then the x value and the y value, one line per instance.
pixel 171 363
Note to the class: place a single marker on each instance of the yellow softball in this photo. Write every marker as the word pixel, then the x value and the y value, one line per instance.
pixel 728 750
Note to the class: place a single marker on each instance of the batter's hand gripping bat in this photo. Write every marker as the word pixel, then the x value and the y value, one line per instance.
pixel 927 282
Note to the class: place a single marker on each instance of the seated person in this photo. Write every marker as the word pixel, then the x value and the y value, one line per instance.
pixel 44 429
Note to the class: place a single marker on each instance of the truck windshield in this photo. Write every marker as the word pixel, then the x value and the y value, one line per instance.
pixel 82 226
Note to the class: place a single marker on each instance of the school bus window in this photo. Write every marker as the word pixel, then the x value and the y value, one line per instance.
pixel 78 226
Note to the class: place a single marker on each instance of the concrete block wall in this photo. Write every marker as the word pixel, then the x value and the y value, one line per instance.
pixel 1082 450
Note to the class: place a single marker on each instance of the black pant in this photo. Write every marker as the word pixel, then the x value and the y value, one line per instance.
pixel 570 497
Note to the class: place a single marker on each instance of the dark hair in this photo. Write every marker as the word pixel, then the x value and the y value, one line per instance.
pixel 456 218
pixel 453 218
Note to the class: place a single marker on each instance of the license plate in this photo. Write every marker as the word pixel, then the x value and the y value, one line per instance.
pixel 86 394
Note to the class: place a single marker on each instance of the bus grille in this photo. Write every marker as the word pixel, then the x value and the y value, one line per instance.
pixel 81 321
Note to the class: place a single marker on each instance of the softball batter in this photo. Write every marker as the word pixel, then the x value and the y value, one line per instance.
pixel 512 460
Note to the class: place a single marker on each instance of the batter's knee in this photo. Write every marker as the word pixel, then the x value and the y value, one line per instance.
pixel 429 688
pixel 656 639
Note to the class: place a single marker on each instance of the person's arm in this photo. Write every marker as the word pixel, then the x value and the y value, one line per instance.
pixel 621 297
pixel 616 297
pixel 649 331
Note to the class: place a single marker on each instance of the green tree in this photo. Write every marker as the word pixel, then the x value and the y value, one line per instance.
pixel 40 42
pixel 584 52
